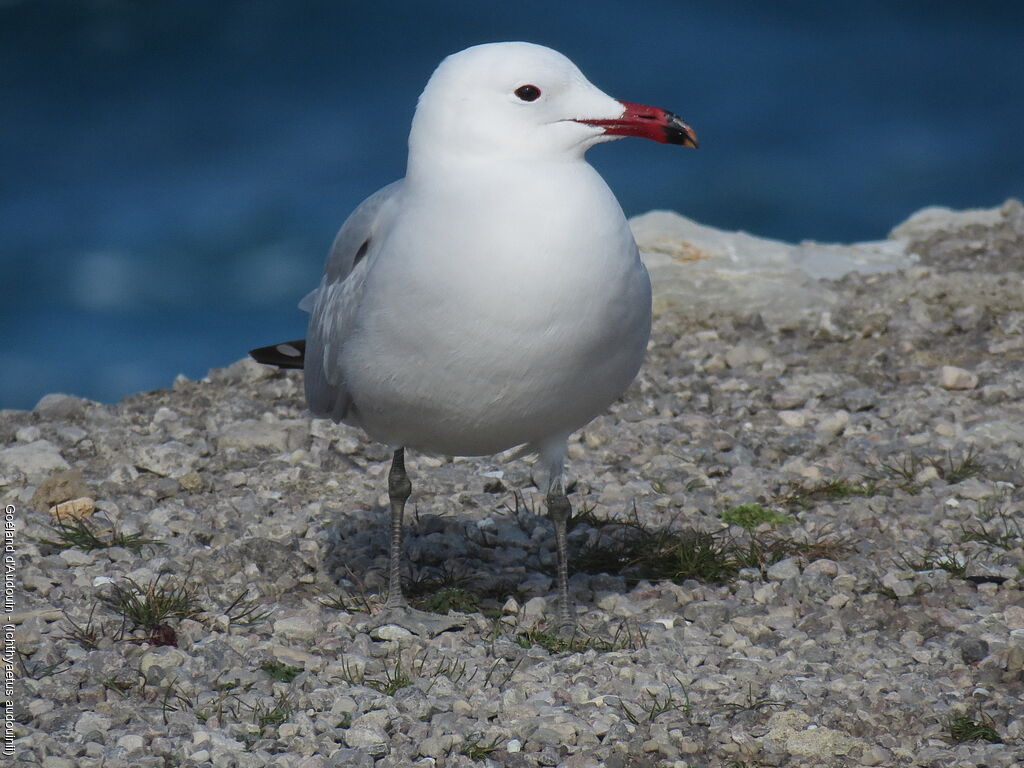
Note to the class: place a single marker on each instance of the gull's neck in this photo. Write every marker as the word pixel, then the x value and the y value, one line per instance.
pixel 452 168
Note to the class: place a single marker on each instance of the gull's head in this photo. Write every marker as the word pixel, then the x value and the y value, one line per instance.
pixel 523 101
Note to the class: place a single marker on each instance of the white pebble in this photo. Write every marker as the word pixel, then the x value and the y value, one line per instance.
pixel 795 419
pixel 951 377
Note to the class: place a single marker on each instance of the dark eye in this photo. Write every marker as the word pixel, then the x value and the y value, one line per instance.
pixel 528 92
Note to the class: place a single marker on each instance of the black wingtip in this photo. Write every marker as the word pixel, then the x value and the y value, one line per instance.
pixel 287 354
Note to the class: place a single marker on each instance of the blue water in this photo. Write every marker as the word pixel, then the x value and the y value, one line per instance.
pixel 172 173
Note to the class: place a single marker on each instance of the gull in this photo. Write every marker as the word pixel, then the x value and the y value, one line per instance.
pixel 494 298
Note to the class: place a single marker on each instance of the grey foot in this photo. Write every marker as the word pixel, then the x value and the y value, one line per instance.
pixel 418 622
pixel 565 627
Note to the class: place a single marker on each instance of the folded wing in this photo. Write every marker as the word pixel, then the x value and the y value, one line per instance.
pixel 334 305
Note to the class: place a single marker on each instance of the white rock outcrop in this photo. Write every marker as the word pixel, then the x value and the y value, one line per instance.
pixel 703 269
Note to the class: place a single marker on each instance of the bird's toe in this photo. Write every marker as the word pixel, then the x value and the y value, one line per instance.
pixel 418 622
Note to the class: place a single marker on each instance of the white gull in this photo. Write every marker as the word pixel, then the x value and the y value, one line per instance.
pixel 495 296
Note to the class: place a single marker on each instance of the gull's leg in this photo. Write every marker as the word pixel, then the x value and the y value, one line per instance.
pixel 552 456
pixel 396 609
pixel 399 491
pixel 559 509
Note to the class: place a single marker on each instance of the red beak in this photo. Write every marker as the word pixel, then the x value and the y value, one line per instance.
pixel 649 123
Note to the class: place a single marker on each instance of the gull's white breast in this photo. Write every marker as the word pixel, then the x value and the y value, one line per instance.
pixel 499 313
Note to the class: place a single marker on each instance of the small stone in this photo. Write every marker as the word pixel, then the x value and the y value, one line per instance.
pixel 795 419
pixel 437 747
pixel 71 434
pixel 28 434
pixel 74 557
pixel 789 399
pixel 715 364
pixel 546 735
pixel 832 426
pixel 36 460
pixel 1014 617
pixel 27 637
pixel 823 566
pixel 170 459
pixel 872 756
pixel 59 407
pixel 900 587
pixel 279 437
pixel 163 488
pixel 811 473
pixel 765 594
pixel 164 414
pixel 548 756
pixel 348 445
pixel 38 707
pixel 131 742
pixel 236 479
pixel 972 649
pixel 951 377
pixel 73 510
pixel 784 569
pixel 390 632
pixel 746 354
pixel 123 474
pixel 373 740
pixel 534 610
pixel 296 628
pixel 708 614
pixel 513 746
pixel 91 721
pixel 1015 658
pixel 191 481
pixel 912 639
pixel 59 486
pixel 290 655
pixel 860 399
pixel 974 489
pixel 166 657
pixel 345 757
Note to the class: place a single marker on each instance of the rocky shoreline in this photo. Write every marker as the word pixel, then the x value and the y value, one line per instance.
pixel 848 444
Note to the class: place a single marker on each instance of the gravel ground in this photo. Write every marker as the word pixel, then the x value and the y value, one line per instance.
pixel 879 618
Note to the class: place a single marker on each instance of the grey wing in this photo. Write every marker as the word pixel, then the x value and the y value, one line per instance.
pixel 334 305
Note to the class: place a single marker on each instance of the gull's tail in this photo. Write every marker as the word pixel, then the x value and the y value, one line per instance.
pixel 287 354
